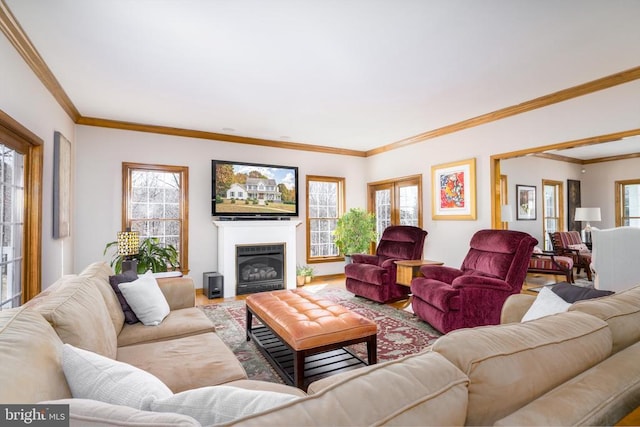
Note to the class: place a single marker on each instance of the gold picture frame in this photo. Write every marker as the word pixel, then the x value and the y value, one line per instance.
pixel 453 190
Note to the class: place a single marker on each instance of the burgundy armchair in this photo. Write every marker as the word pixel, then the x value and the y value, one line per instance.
pixel 374 276
pixel 494 268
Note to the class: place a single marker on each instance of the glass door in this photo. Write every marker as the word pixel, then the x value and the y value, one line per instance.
pixel 396 202
pixel 551 210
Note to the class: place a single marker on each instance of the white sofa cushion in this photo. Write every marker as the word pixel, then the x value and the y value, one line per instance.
pixel 220 404
pixel 547 303
pixel 146 299
pixel 91 376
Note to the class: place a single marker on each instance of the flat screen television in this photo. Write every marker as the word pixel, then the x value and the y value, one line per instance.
pixel 263 191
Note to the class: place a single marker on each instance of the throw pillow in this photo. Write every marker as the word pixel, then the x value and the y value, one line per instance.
pixel 546 303
pixel 146 299
pixel 220 404
pixel 580 247
pixel 572 293
pixel 114 281
pixel 92 376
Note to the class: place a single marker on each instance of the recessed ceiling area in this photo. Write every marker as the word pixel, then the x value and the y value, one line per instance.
pixel 355 74
pixel 623 147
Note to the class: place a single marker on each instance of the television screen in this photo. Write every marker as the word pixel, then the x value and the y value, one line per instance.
pixel 252 189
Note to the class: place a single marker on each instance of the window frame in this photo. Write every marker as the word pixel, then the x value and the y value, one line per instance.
pixel 619 198
pixel 340 182
pixel 559 200
pixel 22 140
pixel 127 169
pixel 394 185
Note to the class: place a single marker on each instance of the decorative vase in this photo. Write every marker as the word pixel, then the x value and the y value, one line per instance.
pixel 307 279
pixel 300 281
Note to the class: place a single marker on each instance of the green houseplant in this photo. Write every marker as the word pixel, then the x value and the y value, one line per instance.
pixel 355 231
pixel 153 255
pixel 304 274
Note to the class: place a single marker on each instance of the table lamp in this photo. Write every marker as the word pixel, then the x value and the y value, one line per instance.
pixel 588 215
pixel 128 246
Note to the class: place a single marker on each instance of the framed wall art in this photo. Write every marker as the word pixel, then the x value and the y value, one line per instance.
pixel 454 190
pixel 573 202
pixel 61 186
pixel 526 198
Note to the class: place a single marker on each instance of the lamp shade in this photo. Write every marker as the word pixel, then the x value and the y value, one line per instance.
pixel 506 213
pixel 128 243
pixel 587 214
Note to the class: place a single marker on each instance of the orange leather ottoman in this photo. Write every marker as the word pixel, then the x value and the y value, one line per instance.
pixel 305 326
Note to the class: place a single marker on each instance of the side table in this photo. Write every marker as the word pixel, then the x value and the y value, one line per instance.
pixel 408 269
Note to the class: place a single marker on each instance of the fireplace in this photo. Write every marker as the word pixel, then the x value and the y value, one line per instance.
pixel 259 268
pixel 232 234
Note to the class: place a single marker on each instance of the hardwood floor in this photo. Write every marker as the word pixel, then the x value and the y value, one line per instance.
pixel 532 280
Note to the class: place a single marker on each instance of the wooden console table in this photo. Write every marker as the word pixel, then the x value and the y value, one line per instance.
pixel 408 269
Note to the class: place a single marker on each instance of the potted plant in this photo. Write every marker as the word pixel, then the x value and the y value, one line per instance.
pixel 354 233
pixel 304 274
pixel 153 255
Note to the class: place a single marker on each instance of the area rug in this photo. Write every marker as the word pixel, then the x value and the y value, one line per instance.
pixel 399 332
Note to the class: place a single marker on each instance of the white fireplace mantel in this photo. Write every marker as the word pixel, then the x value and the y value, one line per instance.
pixel 233 233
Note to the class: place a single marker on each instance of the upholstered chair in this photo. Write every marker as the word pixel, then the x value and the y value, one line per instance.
pixel 547 262
pixel 494 268
pixel 374 276
pixel 569 243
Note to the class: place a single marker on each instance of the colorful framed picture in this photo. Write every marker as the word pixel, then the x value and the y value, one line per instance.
pixel 526 195
pixel 454 190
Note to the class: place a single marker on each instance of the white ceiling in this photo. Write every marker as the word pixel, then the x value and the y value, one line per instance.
pixel 355 74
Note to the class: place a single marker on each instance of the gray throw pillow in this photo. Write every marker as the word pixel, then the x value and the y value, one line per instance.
pixel 114 281
pixel 572 293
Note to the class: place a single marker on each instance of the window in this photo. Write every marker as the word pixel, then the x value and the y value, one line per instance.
pixel 628 203
pixel 11 226
pixel 551 210
pixel 20 234
pixel 155 200
pixel 325 204
pixel 397 202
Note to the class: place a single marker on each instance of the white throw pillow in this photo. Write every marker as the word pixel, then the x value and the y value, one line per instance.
pixel 92 376
pixel 220 404
pixel 547 302
pixel 146 299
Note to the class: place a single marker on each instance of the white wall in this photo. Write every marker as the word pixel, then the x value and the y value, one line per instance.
pixel 608 111
pixel 598 186
pixel 25 99
pixel 531 171
pixel 101 151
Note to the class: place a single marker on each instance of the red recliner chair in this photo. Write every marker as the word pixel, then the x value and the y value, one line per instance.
pixel 374 276
pixel 494 268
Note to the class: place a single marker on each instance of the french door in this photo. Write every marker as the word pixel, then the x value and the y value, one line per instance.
pixel 396 202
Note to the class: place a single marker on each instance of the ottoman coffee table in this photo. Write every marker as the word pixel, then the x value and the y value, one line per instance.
pixel 304 337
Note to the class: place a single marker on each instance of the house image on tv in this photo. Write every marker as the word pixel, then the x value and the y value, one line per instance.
pixel 256 188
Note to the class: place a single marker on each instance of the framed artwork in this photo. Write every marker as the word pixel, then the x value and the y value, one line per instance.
pixel 573 202
pixel 454 190
pixel 61 186
pixel 526 195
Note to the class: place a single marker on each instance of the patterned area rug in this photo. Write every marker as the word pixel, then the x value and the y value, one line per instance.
pixel 399 332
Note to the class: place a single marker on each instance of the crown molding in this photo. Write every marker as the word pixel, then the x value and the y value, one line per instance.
pixel 533 104
pixel 190 133
pixel 20 41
